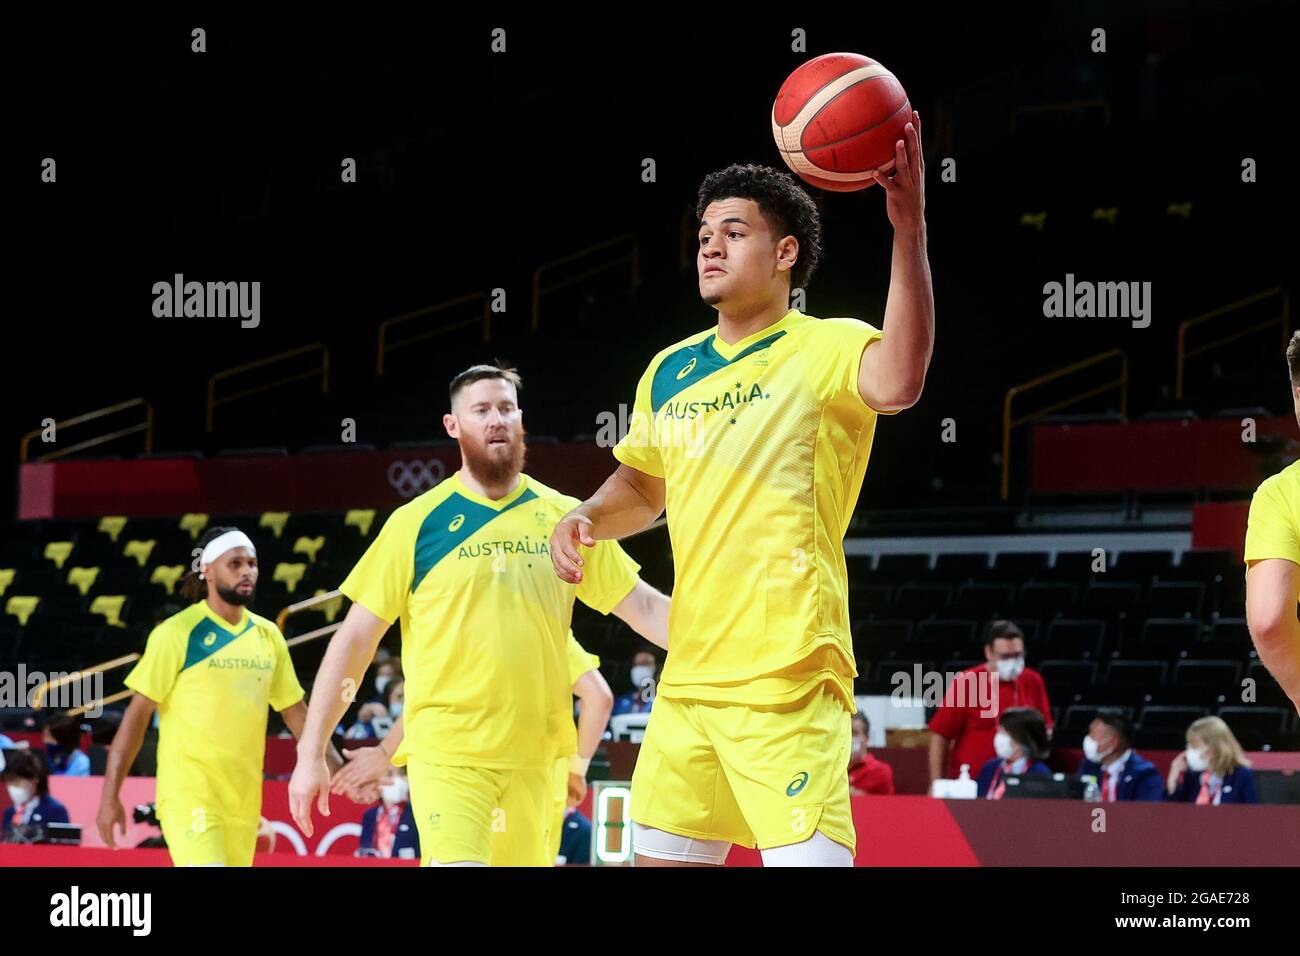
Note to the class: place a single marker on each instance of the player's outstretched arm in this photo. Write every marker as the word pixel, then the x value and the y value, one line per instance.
pixel 350 651
pixel 121 756
pixel 892 371
pixel 1272 587
pixel 629 501
pixel 645 610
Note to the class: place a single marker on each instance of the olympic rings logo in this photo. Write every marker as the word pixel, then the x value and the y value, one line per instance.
pixel 409 479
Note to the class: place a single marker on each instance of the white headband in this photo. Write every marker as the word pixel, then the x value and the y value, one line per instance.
pixel 223 543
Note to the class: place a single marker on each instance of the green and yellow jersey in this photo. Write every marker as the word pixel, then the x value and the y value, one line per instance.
pixel 485 621
pixel 762 445
pixel 213 682
pixel 1273 528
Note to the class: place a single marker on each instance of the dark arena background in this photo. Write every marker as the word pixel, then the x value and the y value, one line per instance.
pixel 523 192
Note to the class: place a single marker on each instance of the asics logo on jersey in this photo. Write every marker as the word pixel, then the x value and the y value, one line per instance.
pixel 690 367
pixel 456 522
pixel 797 784
pixel 210 640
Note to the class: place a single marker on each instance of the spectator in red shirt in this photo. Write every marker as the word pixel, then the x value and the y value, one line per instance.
pixel 867 775
pixel 962 729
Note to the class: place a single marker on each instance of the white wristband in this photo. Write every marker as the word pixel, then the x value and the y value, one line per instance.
pixel 579 764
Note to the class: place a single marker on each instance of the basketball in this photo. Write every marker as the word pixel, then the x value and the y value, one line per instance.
pixel 837 118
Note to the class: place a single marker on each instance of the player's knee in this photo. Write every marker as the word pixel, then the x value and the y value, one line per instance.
pixel 817 850
pixel 661 845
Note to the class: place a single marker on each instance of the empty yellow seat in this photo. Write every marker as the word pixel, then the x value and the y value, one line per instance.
pixel 83 579
pixel 6 579
pixel 112 525
pixel 140 550
pixel 110 606
pixel 193 523
pixel 289 574
pixel 58 551
pixel 275 520
pixel 167 575
pixel 361 519
pixel 21 606
pixel 309 546
pixel 331 607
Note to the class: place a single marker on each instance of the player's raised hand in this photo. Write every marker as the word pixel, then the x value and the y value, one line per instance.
pixel 310 781
pixel 111 815
pixel 573 530
pixel 359 777
pixel 905 187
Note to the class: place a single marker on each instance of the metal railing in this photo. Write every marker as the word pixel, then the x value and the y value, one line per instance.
pixel 41 692
pixel 146 426
pixel 384 346
pixel 323 371
pixel 1184 353
pixel 1008 423
pixel 297 608
pixel 632 257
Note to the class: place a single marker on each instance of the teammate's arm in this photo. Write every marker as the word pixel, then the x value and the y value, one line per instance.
pixel 365 767
pixel 121 757
pixel 294 717
pixel 645 610
pixel 628 502
pixel 892 370
pixel 1272 589
pixel 349 653
pixel 596 704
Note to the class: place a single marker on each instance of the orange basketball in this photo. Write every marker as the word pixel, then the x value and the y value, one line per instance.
pixel 837 118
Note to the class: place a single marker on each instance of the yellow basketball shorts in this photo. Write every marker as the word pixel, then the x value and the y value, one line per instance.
pixel 560 798
pixel 200 838
pixel 761 777
pixel 500 817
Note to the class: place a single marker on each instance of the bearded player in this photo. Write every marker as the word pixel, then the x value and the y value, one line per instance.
pixel 485 623
pixel 755 435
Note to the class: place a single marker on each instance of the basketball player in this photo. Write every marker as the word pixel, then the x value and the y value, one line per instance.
pixel 488 711
pixel 749 738
pixel 210 671
pixel 1272 556
pixel 367 767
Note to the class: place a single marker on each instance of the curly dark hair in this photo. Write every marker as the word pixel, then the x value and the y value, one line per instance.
pixel 782 201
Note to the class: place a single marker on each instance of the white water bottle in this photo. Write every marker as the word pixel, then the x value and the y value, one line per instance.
pixel 963 788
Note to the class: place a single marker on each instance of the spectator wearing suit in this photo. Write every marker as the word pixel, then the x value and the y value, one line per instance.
pixel 1121 771
pixel 962 728
pixel 388 828
pixel 1021 744
pixel 575 839
pixel 28 782
pixel 867 775
pixel 1213 769
pixel 641 700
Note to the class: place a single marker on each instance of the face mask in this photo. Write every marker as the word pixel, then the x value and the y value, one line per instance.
pixel 19 795
pixel 1010 670
pixel 1092 750
pixel 640 674
pixel 396 710
pixel 394 792
pixel 1197 760
pixel 1003 745
pixel 381 683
